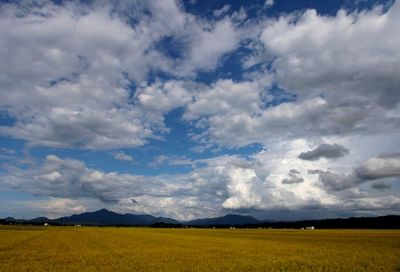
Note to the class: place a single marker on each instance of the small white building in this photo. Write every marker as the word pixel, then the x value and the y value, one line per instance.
pixel 46 224
pixel 310 227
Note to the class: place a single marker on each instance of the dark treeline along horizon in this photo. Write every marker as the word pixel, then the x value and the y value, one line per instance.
pixel 108 218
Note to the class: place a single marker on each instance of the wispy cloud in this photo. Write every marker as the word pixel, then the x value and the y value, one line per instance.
pixel 122 156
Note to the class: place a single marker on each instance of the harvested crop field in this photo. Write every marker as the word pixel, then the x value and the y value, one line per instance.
pixel 147 249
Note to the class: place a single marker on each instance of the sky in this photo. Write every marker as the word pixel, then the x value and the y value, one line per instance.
pixel 278 109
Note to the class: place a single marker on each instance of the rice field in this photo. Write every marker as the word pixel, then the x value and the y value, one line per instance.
pixel 145 249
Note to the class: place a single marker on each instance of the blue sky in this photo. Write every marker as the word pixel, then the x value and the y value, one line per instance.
pixel 278 109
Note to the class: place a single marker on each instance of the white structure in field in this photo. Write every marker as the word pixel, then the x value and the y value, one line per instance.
pixel 310 228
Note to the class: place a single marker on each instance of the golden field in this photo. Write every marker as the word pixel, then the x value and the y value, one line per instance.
pixel 146 249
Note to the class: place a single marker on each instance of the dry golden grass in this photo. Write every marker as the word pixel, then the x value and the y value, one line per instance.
pixel 144 249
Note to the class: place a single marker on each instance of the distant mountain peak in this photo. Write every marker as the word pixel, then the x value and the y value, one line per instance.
pixel 103 211
pixel 237 215
pixel 228 219
pixel 106 217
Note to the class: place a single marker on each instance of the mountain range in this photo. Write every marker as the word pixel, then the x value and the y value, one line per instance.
pixel 105 217
pixel 229 219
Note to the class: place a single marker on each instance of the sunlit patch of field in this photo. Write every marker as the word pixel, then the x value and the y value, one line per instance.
pixel 146 249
